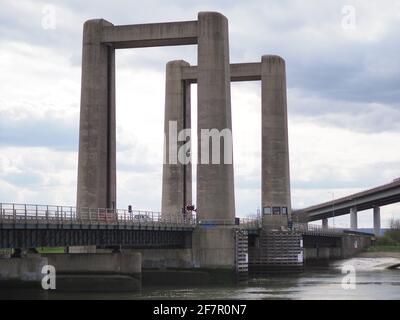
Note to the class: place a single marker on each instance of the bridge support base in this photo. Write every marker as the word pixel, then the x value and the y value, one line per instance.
pixel 214 247
pixel 324 224
pixel 353 218
pixel 377 221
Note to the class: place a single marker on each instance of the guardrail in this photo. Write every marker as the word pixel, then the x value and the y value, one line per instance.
pixel 304 227
pixel 250 223
pixel 51 214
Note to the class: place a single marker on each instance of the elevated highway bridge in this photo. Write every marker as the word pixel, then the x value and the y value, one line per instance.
pixel 369 199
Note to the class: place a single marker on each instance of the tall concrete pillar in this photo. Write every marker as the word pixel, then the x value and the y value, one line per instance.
pixel 177 170
pixel 97 154
pixel 353 218
pixel 275 149
pixel 215 185
pixel 325 224
pixel 377 221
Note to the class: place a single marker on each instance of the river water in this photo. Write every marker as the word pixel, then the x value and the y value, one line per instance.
pixel 358 278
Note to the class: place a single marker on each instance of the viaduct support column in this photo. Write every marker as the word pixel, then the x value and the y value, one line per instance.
pixel 353 218
pixel 275 183
pixel 96 164
pixel 324 224
pixel 377 221
pixel 177 169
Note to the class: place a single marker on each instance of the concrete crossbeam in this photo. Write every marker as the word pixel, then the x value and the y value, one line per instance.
pixel 239 72
pixel 151 34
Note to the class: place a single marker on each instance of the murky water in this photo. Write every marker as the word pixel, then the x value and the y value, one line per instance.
pixel 372 281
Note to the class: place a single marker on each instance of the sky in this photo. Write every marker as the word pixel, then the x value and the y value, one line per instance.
pixel 343 79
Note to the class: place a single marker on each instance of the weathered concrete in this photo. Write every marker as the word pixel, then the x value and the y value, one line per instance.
pixel 250 71
pixel 323 253
pixel 177 176
pixel 82 249
pixel 165 258
pixel 353 244
pixel 353 218
pixel 97 272
pixel 214 247
pixel 325 224
pixel 114 263
pixel 215 182
pixel 347 245
pixel 23 269
pixel 275 149
pixel 377 221
pixel 151 34
pixel 97 154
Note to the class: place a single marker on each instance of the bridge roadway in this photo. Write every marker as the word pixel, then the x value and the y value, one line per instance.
pixel 29 226
pixel 370 199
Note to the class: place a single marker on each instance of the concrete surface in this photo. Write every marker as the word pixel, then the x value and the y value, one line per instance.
pixel 24 269
pixel 177 176
pixel 275 149
pixel 214 247
pixel 97 154
pixel 215 182
pixel 113 263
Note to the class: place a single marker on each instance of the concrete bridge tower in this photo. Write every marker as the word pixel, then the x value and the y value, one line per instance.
pixel 177 172
pixel 275 193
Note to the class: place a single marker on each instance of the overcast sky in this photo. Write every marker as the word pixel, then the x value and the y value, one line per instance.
pixel 343 77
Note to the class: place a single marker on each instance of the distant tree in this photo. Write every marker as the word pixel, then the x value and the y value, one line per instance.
pixel 393 234
pixel 394 224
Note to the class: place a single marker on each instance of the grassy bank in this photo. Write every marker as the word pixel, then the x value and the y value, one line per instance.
pixel 51 250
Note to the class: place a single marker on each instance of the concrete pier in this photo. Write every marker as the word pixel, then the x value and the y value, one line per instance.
pixel 276 201
pixel 353 218
pixel 215 184
pixel 325 224
pixel 377 221
pixel 96 164
pixel 177 175
pixel 214 248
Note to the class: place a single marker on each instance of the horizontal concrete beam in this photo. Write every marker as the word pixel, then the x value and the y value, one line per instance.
pixel 239 72
pixel 151 34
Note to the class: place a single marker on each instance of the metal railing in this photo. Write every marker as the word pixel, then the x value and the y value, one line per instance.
pixel 51 214
pixel 250 223
pixel 304 227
